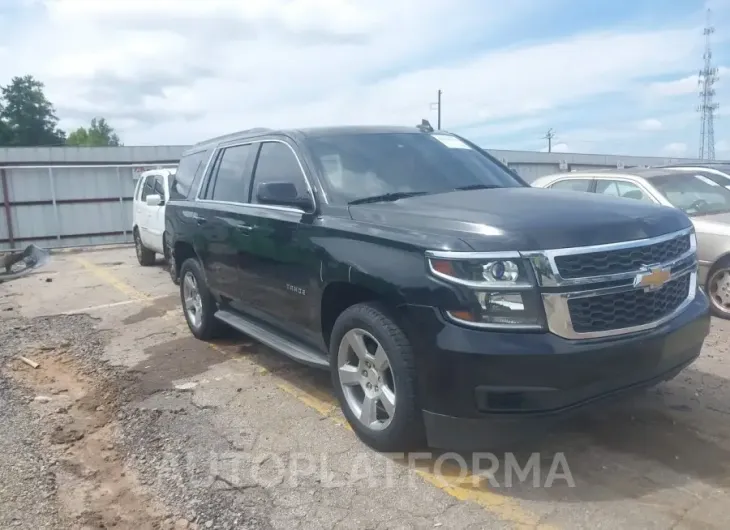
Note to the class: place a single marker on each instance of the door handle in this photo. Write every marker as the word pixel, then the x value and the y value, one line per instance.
pixel 243 227
pixel 200 220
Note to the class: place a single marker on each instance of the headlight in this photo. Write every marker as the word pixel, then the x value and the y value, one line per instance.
pixel 501 286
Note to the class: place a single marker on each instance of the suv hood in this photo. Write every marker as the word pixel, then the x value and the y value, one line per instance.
pixel 526 218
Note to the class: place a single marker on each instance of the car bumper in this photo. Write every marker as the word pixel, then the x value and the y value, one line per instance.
pixel 480 388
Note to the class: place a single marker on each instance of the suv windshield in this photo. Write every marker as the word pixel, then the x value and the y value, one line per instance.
pixel 695 193
pixel 396 165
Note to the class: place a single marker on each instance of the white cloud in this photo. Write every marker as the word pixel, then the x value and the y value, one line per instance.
pixel 650 124
pixel 723 146
pixel 675 149
pixel 683 86
pixel 167 71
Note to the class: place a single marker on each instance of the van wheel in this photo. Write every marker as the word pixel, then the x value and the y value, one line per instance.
pixel 718 288
pixel 374 375
pixel 197 301
pixel 145 256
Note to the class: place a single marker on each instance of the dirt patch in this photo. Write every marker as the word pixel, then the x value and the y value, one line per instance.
pixel 95 489
pixel 172 361
pixel 155 309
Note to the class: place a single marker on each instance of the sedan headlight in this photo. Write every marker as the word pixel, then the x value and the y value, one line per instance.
pixel 501 287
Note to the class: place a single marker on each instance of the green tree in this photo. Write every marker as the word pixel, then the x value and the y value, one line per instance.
pixel 99 134
pixel 29 117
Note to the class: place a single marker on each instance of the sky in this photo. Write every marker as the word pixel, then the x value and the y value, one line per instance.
pixel 614 77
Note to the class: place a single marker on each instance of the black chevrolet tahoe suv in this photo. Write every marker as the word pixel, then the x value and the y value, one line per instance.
pixel 447 297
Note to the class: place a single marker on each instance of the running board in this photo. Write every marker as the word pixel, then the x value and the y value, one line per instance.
pixel 264 334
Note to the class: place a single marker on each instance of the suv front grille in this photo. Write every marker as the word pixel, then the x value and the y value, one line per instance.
pixel 623 260
pixel 627 309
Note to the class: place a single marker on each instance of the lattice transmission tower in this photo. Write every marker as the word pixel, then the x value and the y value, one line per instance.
pixel 707 107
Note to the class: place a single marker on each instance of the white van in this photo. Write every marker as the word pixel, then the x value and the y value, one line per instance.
pixel 148 217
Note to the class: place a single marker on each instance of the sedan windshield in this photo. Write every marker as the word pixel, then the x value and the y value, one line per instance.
pixel 695 193
pixel 372 167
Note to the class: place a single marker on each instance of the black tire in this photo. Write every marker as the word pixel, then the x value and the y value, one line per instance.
pixel 145 256
pixel 720 267
pixel 170 259
pixel 209 327
pixel 405 432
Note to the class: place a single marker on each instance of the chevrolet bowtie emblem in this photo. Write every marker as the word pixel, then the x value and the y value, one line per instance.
pixel 652 278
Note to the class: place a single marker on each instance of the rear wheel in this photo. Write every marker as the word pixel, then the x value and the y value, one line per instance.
pixel 170 259
pixel 145 256
pixel 198 304
pixel 374 376
pixel 718 288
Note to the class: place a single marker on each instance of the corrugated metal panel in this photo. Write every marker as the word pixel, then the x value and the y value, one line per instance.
pixel 530 172
pixel 50 173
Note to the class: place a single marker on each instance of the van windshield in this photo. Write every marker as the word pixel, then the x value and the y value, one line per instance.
pixel 392 165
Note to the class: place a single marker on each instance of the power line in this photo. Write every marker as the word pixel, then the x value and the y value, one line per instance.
pixel 549 137
pixel 707 78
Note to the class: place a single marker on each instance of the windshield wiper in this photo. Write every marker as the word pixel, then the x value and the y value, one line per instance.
pixel 388 197
pixel 477 187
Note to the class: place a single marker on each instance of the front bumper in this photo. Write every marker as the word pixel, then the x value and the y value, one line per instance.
pixel 477 387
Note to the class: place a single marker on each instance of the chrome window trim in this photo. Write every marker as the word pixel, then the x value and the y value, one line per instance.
pixel 546 270
pixel 248 141
pixel 290 209
pixel 560 323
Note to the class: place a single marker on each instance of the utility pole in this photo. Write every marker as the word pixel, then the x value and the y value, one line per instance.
pixel 437 106
pixel 707 107
pixel 549 137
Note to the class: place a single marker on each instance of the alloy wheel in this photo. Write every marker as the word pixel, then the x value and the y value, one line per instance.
pixel 192 300
pixel 366 379
pixel 719 290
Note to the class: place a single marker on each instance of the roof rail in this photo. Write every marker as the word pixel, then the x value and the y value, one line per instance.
pixel 233 135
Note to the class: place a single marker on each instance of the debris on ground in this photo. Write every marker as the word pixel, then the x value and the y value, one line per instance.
pixel 15 265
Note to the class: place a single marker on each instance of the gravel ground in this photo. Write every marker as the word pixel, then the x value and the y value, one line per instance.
pixel 129 422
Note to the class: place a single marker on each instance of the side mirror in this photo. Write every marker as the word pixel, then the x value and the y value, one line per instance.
pixel 282 194
pixel 153 200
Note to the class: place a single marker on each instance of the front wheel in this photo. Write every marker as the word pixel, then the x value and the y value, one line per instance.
pixel 145 256
pixel 374 376
pixel 718 288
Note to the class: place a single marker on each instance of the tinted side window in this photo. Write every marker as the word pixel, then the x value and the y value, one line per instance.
pixel 232 179
pixel 277 163
pixel 188 171
pixel 572 185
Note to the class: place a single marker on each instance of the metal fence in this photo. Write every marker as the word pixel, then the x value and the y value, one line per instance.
pixel 67 205
pixel 81 196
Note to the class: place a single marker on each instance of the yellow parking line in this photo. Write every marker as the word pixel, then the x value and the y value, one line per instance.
pixel 109 278
pixel 459 487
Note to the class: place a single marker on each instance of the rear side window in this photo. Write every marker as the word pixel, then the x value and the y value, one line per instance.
pixel 278 163
pixel 188 172
pixel 572 185
pixel 231 179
